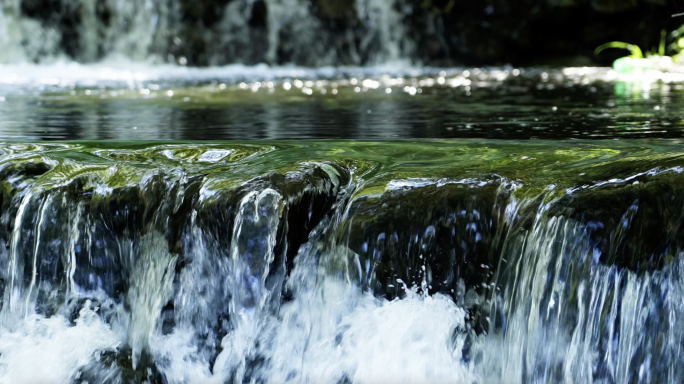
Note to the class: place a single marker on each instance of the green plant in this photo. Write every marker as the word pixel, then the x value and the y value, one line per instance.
pixel 636 62
pixel 677 45
pixel 635 51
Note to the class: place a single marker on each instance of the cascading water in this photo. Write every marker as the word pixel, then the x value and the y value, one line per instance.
pixel 180 31
pixel 265 263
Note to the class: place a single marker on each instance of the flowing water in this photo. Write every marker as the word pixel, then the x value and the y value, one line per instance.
pixel 419 225
pixel 206 32
pixel 342 261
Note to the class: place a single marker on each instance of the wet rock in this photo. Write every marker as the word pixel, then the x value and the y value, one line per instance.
pixel 127 232
pixel 203 13
pixel 106 221
pixel 61 15
pixel 439 238
pixel 445 238
pixel 236 32
pixel 308 195
pixel 116 367
pixel 636 224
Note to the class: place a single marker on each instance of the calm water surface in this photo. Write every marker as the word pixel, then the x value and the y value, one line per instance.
pixel 229 104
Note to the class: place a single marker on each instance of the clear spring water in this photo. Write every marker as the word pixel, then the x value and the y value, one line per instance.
pixel 142 102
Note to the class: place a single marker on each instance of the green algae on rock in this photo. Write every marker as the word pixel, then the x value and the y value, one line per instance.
pixel 209 239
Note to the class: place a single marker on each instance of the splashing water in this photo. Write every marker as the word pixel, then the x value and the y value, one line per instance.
pixel 272 263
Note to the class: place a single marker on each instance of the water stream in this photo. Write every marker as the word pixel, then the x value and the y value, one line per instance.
pixel 341 261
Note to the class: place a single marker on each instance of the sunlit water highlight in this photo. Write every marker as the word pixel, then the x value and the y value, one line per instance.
pixel 123 100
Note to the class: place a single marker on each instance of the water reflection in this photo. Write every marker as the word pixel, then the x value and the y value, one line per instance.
pixel 488 105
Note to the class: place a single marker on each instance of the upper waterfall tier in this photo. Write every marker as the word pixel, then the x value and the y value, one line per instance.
pixel 328 32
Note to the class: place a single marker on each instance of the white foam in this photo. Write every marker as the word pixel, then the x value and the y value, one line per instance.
pixel 341 333
pixel 331 334
pixel 135 74
pixel 49 350
pixel 178 351
pixel 404 341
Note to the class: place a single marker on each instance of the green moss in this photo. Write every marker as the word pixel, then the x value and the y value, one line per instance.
pixel 533 165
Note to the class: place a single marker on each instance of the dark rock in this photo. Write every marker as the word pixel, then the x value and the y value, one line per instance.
pixel 635 226
pixel 116 367
pixel 446 239
pixel 259 18
pixel 611 6
pixel 105 225
pixel 203 13
pixel 307 197
pixel 66 16
pixel 335 9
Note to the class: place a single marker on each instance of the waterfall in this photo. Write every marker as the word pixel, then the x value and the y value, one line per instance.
pixel 207 33
pixel 561 315
pixel 213 264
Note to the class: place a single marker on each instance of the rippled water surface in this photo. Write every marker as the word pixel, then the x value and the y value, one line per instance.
pixel 237 103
